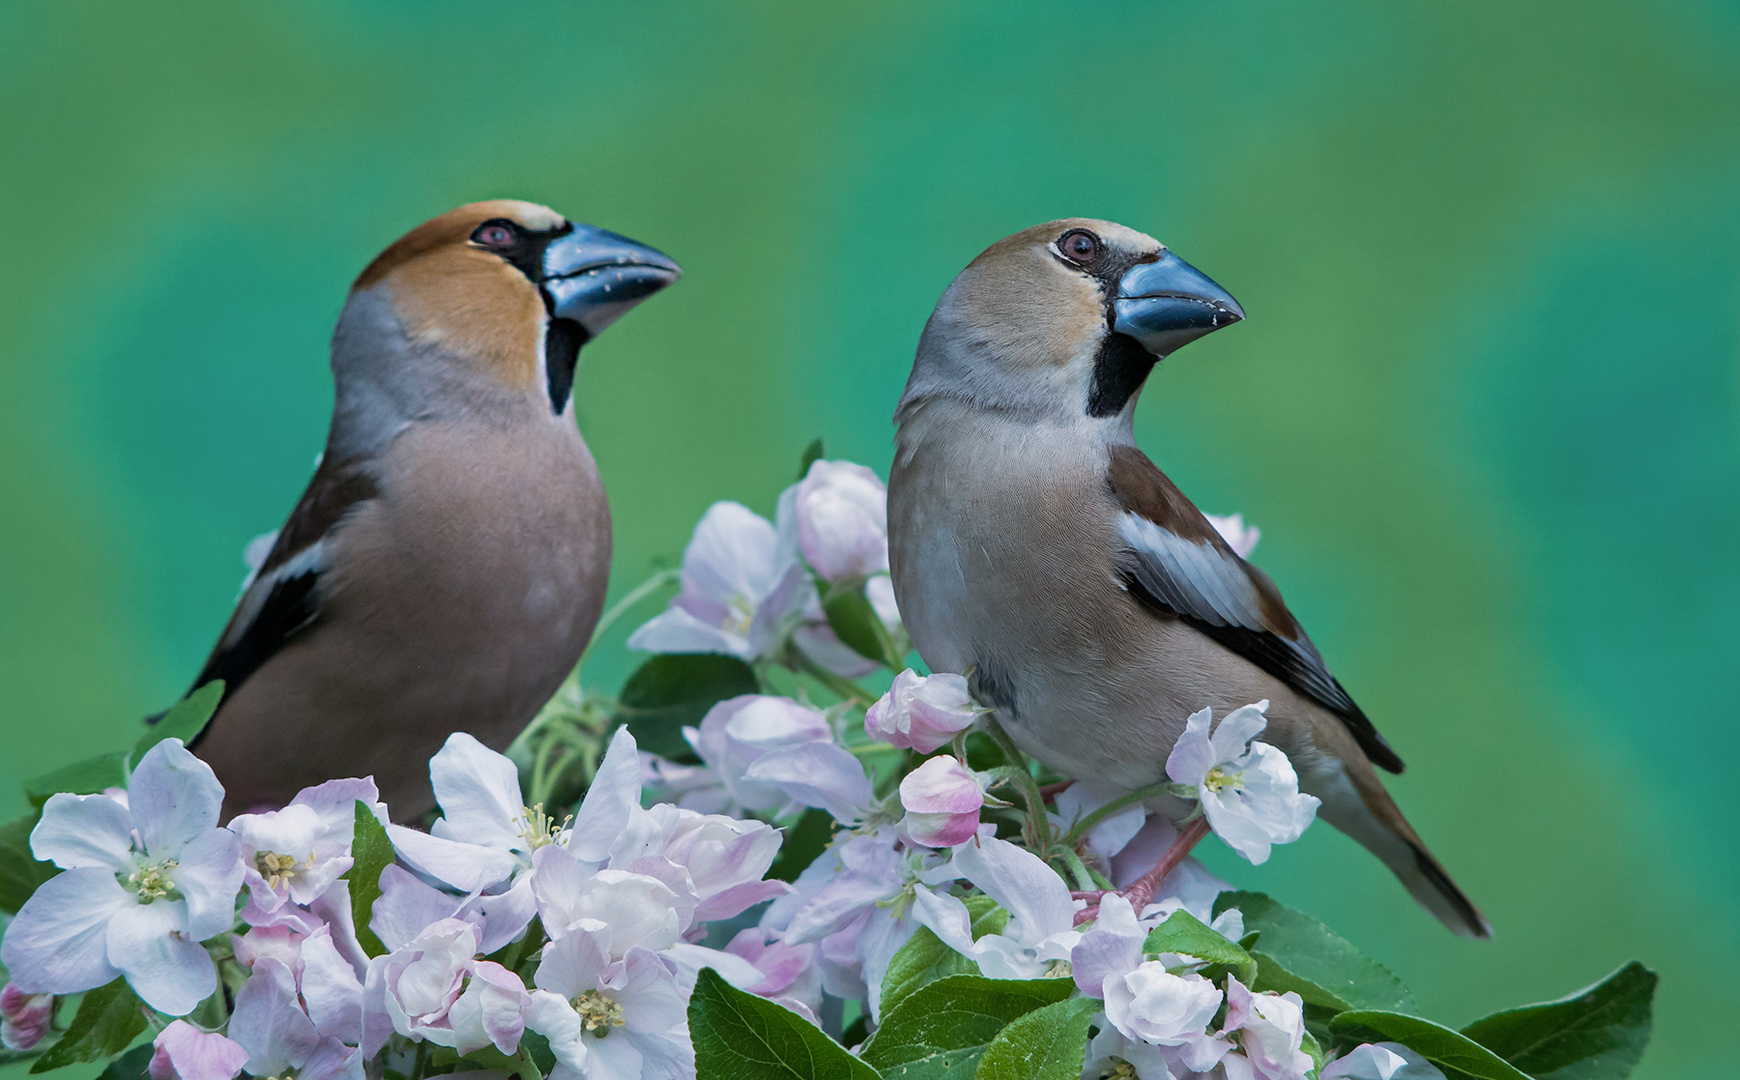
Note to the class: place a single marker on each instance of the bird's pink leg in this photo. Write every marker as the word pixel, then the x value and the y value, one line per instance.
pixel 1140 892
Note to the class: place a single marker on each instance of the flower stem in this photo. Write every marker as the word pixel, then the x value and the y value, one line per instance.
pixel 1139 795
pixel 843 688
pixel 621 607
pixel 1084 878
pixel 1038 830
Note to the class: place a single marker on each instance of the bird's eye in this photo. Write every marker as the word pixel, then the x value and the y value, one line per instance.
pixel 1079 246
pixel 498 235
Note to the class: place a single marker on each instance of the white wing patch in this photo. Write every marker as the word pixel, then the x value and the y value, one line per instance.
pixel 311 559
pixel 1199 580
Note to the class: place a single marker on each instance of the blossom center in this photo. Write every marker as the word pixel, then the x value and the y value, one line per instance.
pixel 280 869
pixel 152 882
pixel 741 615
pixel 1218 778
pixel 1123 1070
pixel 1060 970
pixel 599 1012
pixel 539 829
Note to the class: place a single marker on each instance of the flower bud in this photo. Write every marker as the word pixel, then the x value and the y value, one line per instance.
pixel 842 520
pixel 942 799
pixel 24 1018
pixel 921 712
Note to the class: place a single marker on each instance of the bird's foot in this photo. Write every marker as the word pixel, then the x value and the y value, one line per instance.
pixel 1140 893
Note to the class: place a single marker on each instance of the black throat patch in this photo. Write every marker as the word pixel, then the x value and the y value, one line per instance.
pixel 1120 368
pixel 562 341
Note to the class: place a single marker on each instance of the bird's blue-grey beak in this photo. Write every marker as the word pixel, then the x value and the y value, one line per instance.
pixel 594 276
pixel 1170 303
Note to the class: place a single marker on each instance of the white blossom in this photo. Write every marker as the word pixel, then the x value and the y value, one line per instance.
pixel 1250 793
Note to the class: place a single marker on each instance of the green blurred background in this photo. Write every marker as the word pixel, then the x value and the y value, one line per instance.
pixel 1484 408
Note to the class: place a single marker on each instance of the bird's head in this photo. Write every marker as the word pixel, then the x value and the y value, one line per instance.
pixel 1066 319
pixel 512 289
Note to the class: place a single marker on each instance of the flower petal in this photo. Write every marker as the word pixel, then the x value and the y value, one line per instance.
pixel 209 876
pixel 195 1055
pixel 175 798
pixel 676 631
pixel 58 942
pixel 613 796
pixel 269 1023
pixel 817 774
pixel 1192 755
pixel 479 793
pixel 1020 883
pixel 467 867
pixel 331 989
pixel 84 830
pixel 169 972
pixel 1238 728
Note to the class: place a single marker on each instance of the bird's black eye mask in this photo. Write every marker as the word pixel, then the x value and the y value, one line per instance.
pixel 524 250
pixel 1121 365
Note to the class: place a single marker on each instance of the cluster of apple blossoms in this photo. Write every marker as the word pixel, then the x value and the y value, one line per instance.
pixel 779 852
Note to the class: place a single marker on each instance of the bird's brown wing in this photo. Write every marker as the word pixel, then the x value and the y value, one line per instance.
pixel 1176 563
pixel 284 598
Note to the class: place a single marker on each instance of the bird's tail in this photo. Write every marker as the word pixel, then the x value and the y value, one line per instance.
pixel 1355 802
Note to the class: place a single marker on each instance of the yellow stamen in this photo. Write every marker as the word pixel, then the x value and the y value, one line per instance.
pixel 599 1012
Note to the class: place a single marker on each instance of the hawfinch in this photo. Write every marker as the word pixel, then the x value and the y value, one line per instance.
pixel 447 563
pixel 1033 545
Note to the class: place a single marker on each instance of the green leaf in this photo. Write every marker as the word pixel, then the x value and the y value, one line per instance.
pixel 131 1065
pixel 1296 952
pixel 372 852
pixel 812 454
pixel 521 1062
pixel 854 619
pixel 924 958
pixel 1456 1055
pixel 109 1019
pixel 672 690
pixel 938 1029
pixel 739 1036
pixel 20 872
pixel 85 777
pixel 1183 933
pixel 184 721
pixel 1595 1034
pixel 1046 1044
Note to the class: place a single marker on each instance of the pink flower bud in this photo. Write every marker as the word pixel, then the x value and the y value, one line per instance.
pixel 24 1018
pixel 842 520
pixel 921 712
pixel 942 799
pixel 183 1052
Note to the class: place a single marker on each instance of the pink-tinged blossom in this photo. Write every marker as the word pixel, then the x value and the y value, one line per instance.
pixel 24 1018
pixel 640 910
pixel 1156 1006
pixel 745 594
pixel 789 975
pixel 922 712
pixel 1248 789
pixel 183 1052
pixel 860 900
pixel 1270 1029
pixel 841 513
pixel 724 859
pixel 145 883
pixel 434 988
pixel 1381 1061
pixel 1240 537
pixel 692 787
pixel 295 854
pixel 732 563
pixel 942 798
pixel 279 1037
pixel 485 843
pixel 773 755
pixel 607 1015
